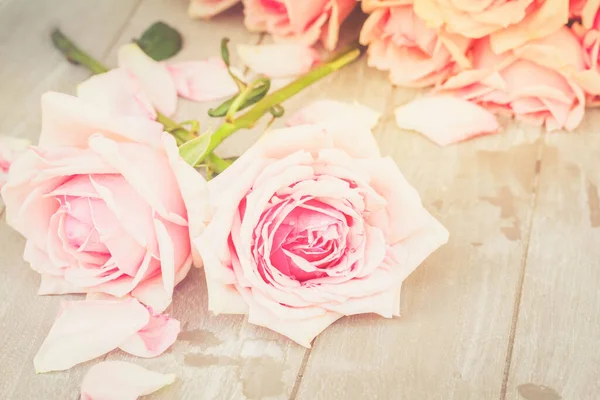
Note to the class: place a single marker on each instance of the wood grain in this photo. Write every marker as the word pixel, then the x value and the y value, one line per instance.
pixel 452 339
pixel 556 353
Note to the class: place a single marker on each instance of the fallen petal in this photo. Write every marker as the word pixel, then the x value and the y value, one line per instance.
pixel 85 330
pixel 153 339
pixel 120 380
pixel 278 60
pixel 202 80
pixel 446 119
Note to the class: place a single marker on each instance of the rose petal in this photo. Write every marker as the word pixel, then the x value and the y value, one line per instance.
pixel 70 121
pixel 202 80
pixel 153 339
pixel 154 78
pixel 118 92
pixel 53 284
pixel 85 330
pixel 321 110
pixel 446 119
pixel 120 380
pixel 278 60
pixel 10 149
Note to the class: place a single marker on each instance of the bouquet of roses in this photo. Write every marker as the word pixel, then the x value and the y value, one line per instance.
pixel 307 226
pixel 534 60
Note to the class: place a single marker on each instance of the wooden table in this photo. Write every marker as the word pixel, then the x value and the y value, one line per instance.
pixel 508 309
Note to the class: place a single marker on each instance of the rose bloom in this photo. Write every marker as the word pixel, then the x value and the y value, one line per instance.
pixel 209 8
pixel 587 10
pixel 10 149
pixel 312 224
pixel 101 204
pixel 401 43
pixel 528 83
pixel 302 21
pixel 588 32
pixel 510 23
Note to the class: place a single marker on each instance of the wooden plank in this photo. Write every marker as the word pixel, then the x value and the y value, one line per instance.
pixel 30 66
pixel 451 341
pixel 556 353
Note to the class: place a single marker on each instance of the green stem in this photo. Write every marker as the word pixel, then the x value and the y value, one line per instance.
pixel 248 119
pixel 75 55
pixel 241 98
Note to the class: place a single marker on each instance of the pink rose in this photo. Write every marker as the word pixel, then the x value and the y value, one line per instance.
pixel 101 204
pixel 10 149
pixel 209 8
pixel 303 21
pixel 312 224
pixel 529 83
pixel 510 23
pixel 401 43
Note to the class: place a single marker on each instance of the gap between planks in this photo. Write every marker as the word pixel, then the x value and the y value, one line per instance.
pixel 519 292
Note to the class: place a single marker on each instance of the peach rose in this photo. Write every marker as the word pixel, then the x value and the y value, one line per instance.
pixel 587 10
pixel 510 23
pixel 302 21
pixel 102 204
pixel 209 8
pixel 589 33
pixel 530 83
pixel 401 43
pixel 10 149
pixel 312 224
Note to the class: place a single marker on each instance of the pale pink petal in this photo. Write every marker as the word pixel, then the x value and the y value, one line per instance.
pixel 120 380
pixel 322 110
pixel 70 121
pixel 118 92
pixel 153 339
pixel 301 331
pixel 153 77
pixel 193 188
pixel 131 160
pixel 278 60
pixel 209 8
pixel 152 291
pixel 446 119
pixel 10 149
pixel 54 284
pixel 167 257
pixel 202 80
pixel 85 330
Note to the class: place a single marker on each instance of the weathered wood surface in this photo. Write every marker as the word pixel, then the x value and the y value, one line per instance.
pixel 507 310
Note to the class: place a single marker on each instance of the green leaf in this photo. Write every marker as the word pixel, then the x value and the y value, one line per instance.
pixel 195 150
pixel 255 96
pixel 225 50
pixel 160 41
